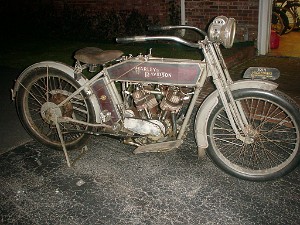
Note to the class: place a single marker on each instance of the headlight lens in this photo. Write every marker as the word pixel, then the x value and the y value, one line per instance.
pixel 222 30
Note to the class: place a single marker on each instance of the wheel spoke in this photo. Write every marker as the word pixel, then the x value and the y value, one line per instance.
pixel 272 143
pixel 44 90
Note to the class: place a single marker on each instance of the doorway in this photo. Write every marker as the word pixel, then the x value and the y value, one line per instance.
pixel 289 39
pixel 289 44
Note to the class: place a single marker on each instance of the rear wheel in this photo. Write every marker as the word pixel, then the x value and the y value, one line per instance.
pixel 274 125
pixel 40 93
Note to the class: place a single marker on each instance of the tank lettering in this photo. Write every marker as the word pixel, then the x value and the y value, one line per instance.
pixel 152 72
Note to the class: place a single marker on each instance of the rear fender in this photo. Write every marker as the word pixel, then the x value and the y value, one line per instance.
pixel 67 70
pixel 212 100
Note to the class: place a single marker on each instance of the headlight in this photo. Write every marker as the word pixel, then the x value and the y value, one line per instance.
pixel 222 30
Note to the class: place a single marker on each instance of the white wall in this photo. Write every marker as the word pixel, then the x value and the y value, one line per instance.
pixel 264 26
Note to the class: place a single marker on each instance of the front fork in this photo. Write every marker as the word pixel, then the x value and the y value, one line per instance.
pixel 222 80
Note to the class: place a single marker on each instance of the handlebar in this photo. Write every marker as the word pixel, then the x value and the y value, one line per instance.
pixel 164 38
pixel 156 38
pixel 164 28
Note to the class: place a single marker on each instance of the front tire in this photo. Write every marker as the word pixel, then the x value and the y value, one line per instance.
pixel 43 88
pixel 275 121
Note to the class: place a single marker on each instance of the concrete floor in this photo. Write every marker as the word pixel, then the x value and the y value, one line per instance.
pixel 289 45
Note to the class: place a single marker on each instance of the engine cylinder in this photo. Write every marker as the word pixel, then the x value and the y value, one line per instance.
pixel 172 102
pixel 143 100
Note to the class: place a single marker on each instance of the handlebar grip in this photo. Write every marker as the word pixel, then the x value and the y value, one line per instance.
pixel 131 39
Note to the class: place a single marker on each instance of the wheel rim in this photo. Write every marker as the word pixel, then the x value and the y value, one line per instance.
pixel 275 136
pixel 291 19
pixel 277 24
pixel 44 93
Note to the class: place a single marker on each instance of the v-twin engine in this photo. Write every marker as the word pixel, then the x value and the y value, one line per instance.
pixel 154 110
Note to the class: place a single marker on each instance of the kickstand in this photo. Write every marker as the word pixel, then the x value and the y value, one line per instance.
pixel 83 150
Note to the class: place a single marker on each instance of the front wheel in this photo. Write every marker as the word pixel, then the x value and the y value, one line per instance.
pixel 40 93
pixel 274 121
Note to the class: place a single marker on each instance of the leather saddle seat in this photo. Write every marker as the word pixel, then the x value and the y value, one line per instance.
pixel 93 55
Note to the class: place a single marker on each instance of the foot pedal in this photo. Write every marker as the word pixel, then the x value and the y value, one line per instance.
pixel 158 147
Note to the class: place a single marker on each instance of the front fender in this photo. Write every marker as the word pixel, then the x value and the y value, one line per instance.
pixel 211 101
pixel 59 66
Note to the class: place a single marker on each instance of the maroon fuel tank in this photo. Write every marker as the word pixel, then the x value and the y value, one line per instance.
pixel 160 71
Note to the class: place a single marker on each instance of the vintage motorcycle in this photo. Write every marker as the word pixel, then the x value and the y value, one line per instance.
pixel 250 129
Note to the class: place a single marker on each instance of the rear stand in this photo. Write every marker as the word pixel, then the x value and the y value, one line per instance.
pixel 83 150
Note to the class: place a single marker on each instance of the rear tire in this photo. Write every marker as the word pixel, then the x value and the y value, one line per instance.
pixel 275 120
pixel 33 97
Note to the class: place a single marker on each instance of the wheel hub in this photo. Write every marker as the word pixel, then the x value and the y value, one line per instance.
pixel 251 135
pixel 50 111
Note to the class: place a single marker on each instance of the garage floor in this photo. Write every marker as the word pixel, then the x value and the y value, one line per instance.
pixel 289 45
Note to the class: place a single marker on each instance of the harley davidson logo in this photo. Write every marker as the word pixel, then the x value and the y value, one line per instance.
pixel 152 72
pixel 162 72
